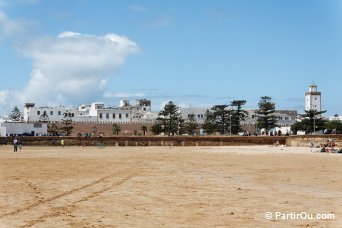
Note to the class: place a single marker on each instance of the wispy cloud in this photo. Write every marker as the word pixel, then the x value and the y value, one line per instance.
pixel 137 8
pixel 10 27
pixel 158 22
pixel 122 95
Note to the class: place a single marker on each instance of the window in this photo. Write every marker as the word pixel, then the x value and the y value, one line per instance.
pixel 113 115
pixel 144 109
pixel 107 115
pixel 38 113
pixel 51 113
pixel 59 113
pixel 126 115
pixel 44 112
pixel 198 116
pixel 100 115
pixel 120 116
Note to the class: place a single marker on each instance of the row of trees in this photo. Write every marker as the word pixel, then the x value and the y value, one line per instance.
pixel 312 121
pixel 223 119
pixel 226 119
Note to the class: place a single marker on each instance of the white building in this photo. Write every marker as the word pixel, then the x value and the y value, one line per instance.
pixel 335 117
pixel 285 118
pixel 313 99
pixel 95 112
pixel 52 114
pixel 22 128
pixel 198 112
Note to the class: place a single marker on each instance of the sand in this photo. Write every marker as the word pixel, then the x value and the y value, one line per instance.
pixel 168 186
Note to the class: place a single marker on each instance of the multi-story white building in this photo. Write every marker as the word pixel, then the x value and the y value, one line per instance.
pixel 313 99
pixel 285 118
pixel 199 113
pixel 95 112
pixel 52 114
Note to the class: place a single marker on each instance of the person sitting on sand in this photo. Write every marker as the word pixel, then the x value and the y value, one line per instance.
pixel 276 144
pixel 331 143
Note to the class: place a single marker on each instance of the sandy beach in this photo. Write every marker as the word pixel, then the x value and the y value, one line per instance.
pixel 168 186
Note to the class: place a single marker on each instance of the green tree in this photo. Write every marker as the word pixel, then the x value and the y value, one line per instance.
pixel 190 124
pixel 116 129
pixel 265 113
pixel 157 128
pixel 170 118
pixel 53 129
pixel 237 115
pixel 334 125
pixel 144 129
pixel 314 118
pixel 68 124
pixel 15 115
pixel 209 125
pixel 222 118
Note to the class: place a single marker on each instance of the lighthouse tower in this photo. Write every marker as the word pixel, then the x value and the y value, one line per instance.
pixel 313 99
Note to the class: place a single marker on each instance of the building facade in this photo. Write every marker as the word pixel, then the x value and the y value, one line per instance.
pixel 313 99
pixel 95 112
pixel 22 128
pixel 199 113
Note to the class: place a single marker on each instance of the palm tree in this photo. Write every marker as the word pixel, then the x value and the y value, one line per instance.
pixel 116 129
pixel 314 118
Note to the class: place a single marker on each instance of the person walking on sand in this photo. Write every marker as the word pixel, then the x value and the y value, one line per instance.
pixel 19 143
pixel 15 144
pixel 62 142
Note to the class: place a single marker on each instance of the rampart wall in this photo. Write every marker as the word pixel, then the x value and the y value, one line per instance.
pixel 153 141
pixel 292 141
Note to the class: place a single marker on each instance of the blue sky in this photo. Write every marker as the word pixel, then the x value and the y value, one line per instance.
pixel 198 53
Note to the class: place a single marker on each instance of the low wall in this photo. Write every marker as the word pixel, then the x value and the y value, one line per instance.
pixel 303 140
pixel 154 141
pixel 292 141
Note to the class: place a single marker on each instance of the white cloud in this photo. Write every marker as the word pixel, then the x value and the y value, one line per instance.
pixel 9 27
pixel 122 95
pixel 73 67
pixel 4 95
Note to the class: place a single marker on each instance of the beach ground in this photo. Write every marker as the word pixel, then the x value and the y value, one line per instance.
pixel 169 186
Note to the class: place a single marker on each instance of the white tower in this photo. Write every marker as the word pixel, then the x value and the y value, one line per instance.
pixel 313 99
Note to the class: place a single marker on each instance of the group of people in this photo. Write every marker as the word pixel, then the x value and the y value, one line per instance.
pixel 328 146
pixel 18 144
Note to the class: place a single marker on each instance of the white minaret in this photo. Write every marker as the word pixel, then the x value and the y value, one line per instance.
pixel 313 99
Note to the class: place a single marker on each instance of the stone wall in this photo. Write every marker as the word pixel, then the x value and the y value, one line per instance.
pixel 293 141
pixel 106 128
pixel 154 141
pixel 303 140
